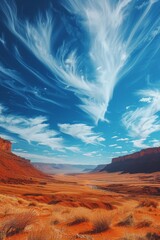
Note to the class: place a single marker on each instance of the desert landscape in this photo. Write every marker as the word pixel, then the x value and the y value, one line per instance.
pixel 79 119
pixel 95 205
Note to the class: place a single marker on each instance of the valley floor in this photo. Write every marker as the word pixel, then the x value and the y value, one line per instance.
pixel 96 206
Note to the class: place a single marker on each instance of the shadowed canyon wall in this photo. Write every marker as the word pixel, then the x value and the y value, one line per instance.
pixel 145 161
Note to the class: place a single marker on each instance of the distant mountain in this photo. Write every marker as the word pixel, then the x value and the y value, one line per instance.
pixel 15 167
pixel 145 161
pixel 99 168
pixel 53 168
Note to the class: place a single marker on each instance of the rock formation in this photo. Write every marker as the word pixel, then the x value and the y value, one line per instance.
pixel 145 161
pixel 142 153
pixel 15 167
pixel 5 145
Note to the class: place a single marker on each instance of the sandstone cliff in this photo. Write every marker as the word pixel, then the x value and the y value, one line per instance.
pixel 145 161
pixel 5 145
pixel 15 167
pixel 142 153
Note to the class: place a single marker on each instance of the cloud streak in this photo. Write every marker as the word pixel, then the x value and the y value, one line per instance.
pixel 112 43
pixel 34 129
pixel 83 132
pixel 143 121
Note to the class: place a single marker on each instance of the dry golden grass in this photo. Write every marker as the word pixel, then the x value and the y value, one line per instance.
pixel 79 215
pixel 57 218
pixel 127 221
pixel 145 222
pixel 101 221
pixel 45 233
pixel 152 236
pixel 148 203
pixel 2 236
pixel 132 236
pixel 81 236
pixel 78 220
pixel 17 223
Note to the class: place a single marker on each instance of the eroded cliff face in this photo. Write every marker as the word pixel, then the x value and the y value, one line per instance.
pixel 142 153
pixel 5 145
pixel 145 161
pixel 15 167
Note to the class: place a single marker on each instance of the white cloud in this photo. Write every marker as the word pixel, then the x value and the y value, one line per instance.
pixel 83 132
pixel 142 5
pixel 73 149
pixel 31 129
pixel 127 107
pixel 139 143
pixel 143 121
pixel 6 137
pixel 35 129
pixel 146 99
pixel 90 154
pixel 111 44
pixel 155 143
pixel 119 147
pixel 115 137
pixel 113 145
pixel 40 158
pixel 122 139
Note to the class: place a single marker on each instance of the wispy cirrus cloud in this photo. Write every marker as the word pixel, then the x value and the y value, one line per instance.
pixel 83 132
pixel 90 154
pixel 40 158
pixel 114 137
pixel 16 83
pixel 122 139
pixel 143 121
pixel 35 129
pixel 73 149
pixel 7 137
pixel 113 145
pixel 112 42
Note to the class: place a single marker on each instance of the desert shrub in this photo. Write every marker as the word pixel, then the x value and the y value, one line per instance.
pixel 80 236
pixel 152 236
pixel 57 218
pixel 78 215
pixel 32 204
pixel 45 233
pixel 17 223
pixel 101 222
pixel 128 221
pixel 146 222
pixel 78 220
pixel 132 236
pixel 148 203
pixel 2 235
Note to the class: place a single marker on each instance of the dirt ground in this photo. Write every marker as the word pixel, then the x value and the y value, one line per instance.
pixel 95 206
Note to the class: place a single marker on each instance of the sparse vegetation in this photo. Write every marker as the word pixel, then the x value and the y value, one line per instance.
pixel 17 223
pixel 146 222
pixel 78 220
pixel 152 236
pixel 132 236
pixel 2 236
pixel 148 203
pixel 45 233
pixel 79 215
pixel 101 222
pixel 34 219
pixel 128 221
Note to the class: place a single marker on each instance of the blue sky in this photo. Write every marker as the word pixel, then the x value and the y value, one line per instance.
pixel 79 80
